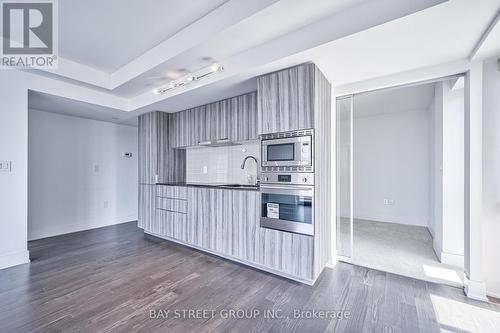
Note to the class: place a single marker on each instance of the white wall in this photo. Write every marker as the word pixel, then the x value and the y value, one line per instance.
pixel 13 185
pixel 435 169
pixel 453 176
pixel 446 213
pixel 14 87
pixel 77 177
pixel 391 161
pixel 222 164
pixel 491 177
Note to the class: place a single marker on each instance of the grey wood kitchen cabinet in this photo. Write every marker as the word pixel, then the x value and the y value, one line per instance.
pixel 148 148
pixel 226 222
pixel 233 119
pixel 171 209
pixel 286 99
pixel 154 154
pixel 242 117
pixel 217 124
pixel 198 216
pixel 158 162
pixel 147 208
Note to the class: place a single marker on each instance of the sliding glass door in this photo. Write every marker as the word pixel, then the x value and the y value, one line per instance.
pixel 344 177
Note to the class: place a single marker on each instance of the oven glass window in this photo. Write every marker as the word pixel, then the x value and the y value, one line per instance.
pixel 281 152
pixel 294 208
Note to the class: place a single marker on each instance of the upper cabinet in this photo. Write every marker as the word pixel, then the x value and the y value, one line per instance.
pixel 148 147
pixel 286 99
pixel 158 162
pixel 242 117
pixel 233 119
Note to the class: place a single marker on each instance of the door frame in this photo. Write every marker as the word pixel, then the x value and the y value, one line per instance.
pixel 472 72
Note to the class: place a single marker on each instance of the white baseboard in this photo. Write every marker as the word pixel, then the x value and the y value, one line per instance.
pixel 37 232
pixel 475 290
pixel 452 259
pixel 14 259
pixel 493 294
pixel 392 219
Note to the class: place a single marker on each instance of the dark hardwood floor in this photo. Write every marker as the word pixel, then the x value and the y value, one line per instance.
pixel 116 279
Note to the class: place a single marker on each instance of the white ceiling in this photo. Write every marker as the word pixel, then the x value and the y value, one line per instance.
pixel 412 98
pixel 106 35
pixel 490 45
pixel 441 34
pixel 56 104
pixel 415 41
pixel 246 34
pixel 351 41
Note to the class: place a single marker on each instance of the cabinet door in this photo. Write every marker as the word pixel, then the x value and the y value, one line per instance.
pixel 148 148
pixel 246 227
pixel 192 216
pixel 286 100
pixel 242 115
pixel 173 130
pixel 147 208
pixel 153 147
pixel 222 227
pixel 301 98
pixel 218 120
pixel 180 134
pixel 198 216
pixel 268 107
pixel 165 158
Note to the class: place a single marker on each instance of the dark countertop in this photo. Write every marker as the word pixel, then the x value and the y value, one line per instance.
pixel 219 186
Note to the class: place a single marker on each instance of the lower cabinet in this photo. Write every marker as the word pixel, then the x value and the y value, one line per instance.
pixel 171 211
pixel 172 224
pixel 227 222
pixel 147 208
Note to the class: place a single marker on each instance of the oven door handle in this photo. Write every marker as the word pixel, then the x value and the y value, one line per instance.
pixel 287 190
pixel 305 188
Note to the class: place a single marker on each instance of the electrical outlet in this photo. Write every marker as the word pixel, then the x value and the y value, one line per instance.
pixel 205 169
pixel 5 166
pixel 389 202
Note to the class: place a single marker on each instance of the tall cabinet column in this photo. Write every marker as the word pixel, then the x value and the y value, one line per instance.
pixel 151 147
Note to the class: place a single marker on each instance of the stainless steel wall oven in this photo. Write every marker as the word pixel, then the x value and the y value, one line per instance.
pixel 287 181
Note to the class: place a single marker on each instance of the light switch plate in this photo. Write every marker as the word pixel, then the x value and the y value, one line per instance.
pixel 5 166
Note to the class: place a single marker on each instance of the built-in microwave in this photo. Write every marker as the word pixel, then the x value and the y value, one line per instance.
pixel 288 149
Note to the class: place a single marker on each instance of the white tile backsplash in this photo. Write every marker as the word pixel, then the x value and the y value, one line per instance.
pixel 222 164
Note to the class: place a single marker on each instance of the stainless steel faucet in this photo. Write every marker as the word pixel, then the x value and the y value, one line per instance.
pixel 245 160
pixel 257 180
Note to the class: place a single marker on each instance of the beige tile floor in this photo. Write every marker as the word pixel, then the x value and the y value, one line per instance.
pixel 397 248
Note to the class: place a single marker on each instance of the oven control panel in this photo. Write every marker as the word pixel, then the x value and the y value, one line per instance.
pixel 302 178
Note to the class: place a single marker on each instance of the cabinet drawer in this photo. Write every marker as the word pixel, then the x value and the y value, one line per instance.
pixel 172 224
pixel 171 192
pixel 172 205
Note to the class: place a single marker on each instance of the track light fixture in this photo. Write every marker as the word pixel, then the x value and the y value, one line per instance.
pixel 187 79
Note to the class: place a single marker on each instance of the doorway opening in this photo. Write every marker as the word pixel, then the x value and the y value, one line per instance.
pixel 400 180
